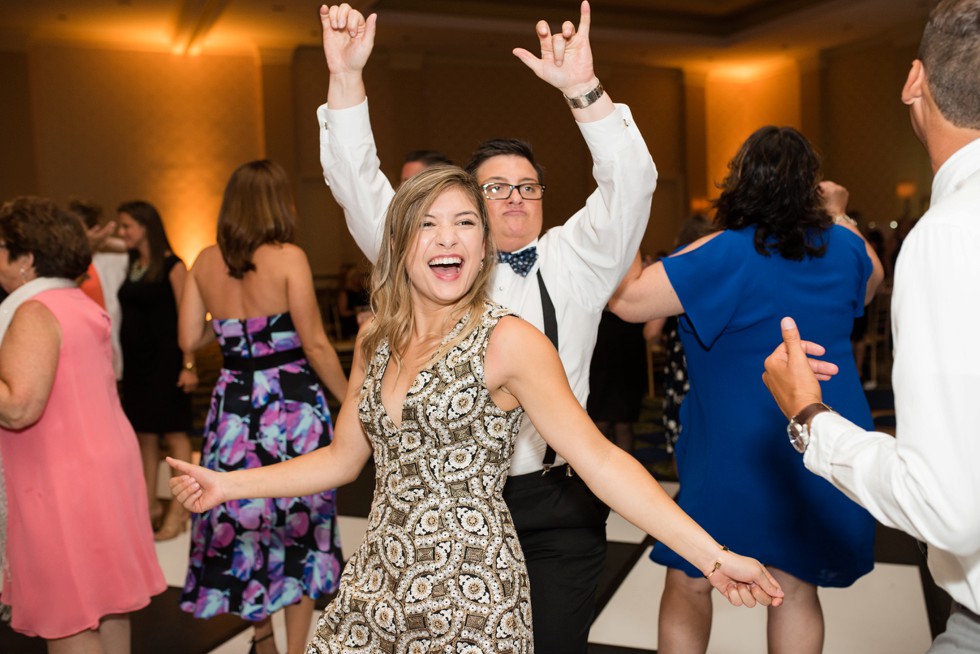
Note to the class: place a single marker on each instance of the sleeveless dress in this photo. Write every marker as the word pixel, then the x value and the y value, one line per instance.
pixel 739 477
pixel 152 359
pixel 253 557
pixel 80 546
pixel 440 568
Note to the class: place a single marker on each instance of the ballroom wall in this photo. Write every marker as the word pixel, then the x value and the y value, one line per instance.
pixel 113 125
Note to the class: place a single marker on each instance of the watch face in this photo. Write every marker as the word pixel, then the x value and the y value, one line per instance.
pixel 798 436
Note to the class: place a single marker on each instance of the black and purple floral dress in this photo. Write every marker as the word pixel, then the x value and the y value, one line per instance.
pixel 254 557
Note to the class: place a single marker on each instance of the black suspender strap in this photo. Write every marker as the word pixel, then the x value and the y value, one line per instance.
pixel 551 331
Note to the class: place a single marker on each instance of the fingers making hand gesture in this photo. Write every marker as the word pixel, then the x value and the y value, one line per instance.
pixel 566 57
pixel 348 38
pixel 791 375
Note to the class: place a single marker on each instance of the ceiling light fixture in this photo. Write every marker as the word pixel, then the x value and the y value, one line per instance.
pixel 194 21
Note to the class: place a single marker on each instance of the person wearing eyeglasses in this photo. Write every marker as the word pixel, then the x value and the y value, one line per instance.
pixel 558 281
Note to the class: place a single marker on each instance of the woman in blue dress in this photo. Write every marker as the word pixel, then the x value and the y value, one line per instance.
pixel 254 557
pixel 785 247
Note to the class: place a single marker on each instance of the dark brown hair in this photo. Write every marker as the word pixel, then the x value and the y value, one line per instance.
pixel 89 212
pixel 257 208
pixel 156 236
pixel 772 184
pixel 503 147
pixel 56 238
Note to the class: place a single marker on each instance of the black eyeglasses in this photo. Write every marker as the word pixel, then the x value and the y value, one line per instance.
pixel 501 191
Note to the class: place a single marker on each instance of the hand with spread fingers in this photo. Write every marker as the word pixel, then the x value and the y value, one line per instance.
pixel 791 375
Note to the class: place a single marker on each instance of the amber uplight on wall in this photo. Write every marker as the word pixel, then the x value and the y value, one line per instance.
pixel 114 125
pixel 741 98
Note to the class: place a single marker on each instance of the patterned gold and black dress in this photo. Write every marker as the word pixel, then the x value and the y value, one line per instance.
pixel 440 568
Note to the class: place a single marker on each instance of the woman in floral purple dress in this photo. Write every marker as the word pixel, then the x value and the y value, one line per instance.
pixel 253 557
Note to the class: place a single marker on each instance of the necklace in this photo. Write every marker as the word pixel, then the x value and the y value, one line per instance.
pixel 138 271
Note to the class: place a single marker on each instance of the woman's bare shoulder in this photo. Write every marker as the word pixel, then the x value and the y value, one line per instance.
pixel 281 254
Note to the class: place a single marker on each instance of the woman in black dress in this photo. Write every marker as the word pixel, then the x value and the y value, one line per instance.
pixel 157 376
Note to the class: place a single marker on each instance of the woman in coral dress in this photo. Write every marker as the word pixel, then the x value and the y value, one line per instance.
pixel 79 546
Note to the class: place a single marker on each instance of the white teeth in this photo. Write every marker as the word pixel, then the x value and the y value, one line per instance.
pixel 446 261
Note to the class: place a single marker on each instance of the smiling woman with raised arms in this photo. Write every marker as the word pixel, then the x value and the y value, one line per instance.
pixel 440 380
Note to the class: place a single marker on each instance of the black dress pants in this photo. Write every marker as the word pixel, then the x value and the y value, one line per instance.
pixel 561 526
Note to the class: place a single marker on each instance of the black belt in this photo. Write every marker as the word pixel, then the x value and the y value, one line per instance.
pixel 554 473
pixel 264 362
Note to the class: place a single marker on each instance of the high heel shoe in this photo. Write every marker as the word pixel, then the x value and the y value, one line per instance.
pixel 252 650
pixel 173 525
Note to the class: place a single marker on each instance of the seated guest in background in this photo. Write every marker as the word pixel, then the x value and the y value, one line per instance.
pixel 158 380
pixel 779 251
pixel 558 280
pixel 260 556
pixel 79 547
pixel 440 379
pixel 418 160
pixel 924 480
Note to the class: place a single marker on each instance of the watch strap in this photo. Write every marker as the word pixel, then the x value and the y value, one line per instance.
pixel 807 413
pixel 586 99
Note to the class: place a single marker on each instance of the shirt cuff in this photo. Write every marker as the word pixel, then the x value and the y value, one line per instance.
pixel 340 123
pixel 608 136
pixel 826 430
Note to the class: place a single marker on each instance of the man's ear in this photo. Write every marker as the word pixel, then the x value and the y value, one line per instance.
pixel 915 83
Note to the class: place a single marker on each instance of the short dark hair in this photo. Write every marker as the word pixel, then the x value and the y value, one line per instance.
pixel 772 183
pixel 89 212
pixel 503 147
pixel 56 238
pixel 257 208
pixel 950 55
pixel 147 215
pixel 428 158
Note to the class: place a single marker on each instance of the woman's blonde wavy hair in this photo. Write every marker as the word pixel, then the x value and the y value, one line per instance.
pixel 391 301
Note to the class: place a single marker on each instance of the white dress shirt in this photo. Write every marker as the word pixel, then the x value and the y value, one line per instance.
pixel 112 268
pixel 925 481
pixel 582 261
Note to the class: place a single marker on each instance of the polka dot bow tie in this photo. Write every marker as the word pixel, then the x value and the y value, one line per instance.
pixel 522 261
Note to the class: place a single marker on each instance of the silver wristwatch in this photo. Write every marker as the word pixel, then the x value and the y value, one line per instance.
pixel 583 101
pixel 799 425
